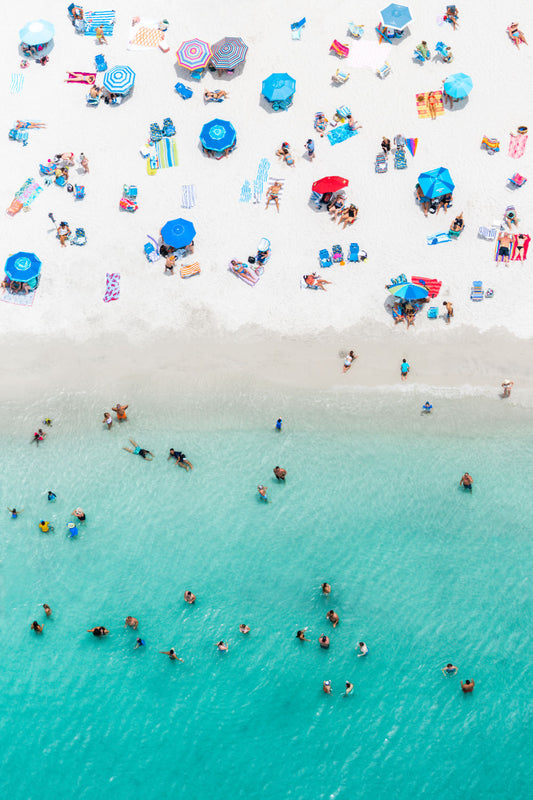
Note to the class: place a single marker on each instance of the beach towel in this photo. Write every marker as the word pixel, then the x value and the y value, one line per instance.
pixel 27 193
pixel 95 19
pixel 190 269
pixel 145 34
pixel 167 152
pixel 340 134
pixel 438 238
pixel 368 54
pixel 188 195
pixel 411 145
pixel 18 299
pixel 421 105
pixel 431 284
pixel 81 77
pixel 513 250
pixel 517 145
pixel 112 287
pixel 246 192
pixel 260 180
pixel 16 83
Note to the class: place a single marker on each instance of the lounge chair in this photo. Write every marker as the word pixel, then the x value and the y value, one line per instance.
pixel 381 163
pixel 100 63
pixel 169 128
pixel 419 55
pixel 400 279
pixel 442 50
pixel 339 77
pixel 433 312
pixel 517 180
pixel 342 50
pixel 397 314
pixel 342 114
pixel 128 205
pixel 92 101
pixel 324 257
pixel 296 29
pixel 337 254
pixel 130 191
pixel 355 30
pixel 78 237
pixel 491 145
pixel 400 161
pixel 384 70
pixel 487 233
pixel 183 91
pixel 156 134
pixel 79 192
pixel 196 74
pixel 353 255
pixel 190 269
pixel 476 292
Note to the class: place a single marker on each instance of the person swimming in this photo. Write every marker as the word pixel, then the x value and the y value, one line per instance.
pixel 72 530
pixel 79 513
pixel 244 628
pixel 449 669
pixel 301 635
pixel 98 631
pixel 326 588
pixel 348 689
pixel 222 646
pixel 363 650
pixel 324 641
pixel 427 407
pixel 51 496
pixel 45 526
pixel 171 654
pixel 36 627
pixel 189 597
pixel 263 491
pixel 181 459
pixel 131 622
pixel 47 610
pixel 326 687
pixel 140 643
pixel 139 451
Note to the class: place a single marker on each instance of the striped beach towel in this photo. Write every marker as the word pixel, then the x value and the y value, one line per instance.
pixel 167 152
pixel 190 269
pixel 112 287
pixel 260 180
pixel 95 19
pixel 28 192
pixel 188 195
pixel 246 192
pixel 271 182
pixel 17 82
pixel 422 106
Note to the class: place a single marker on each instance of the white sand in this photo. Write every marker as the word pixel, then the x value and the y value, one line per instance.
pixel 313 326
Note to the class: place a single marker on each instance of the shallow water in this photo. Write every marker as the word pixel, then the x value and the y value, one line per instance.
pixel 421 571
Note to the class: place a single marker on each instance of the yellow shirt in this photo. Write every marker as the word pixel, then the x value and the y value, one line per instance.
pixel 44 526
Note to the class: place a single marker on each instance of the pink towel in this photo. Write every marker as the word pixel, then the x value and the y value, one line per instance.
pixel 517 145
pixel 112 290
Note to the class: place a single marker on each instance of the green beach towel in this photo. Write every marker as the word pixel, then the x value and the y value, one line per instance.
pixel 167 152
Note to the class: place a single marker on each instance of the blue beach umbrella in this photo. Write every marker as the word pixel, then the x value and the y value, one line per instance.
pixel 37 32
pixel 119 80
pixel 436 182
pixel 396 16
pixel 23 267
pixel 409 291
pixel 228 52
pixel 278 86
pixel 178 232
pixel 458 85
pixel 218 135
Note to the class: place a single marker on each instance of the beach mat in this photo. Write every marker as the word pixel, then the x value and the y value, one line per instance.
pixel 260 179
pixel 246 192
pixel 145 35
pixel 87 78
pixel 513 250
pixel 167 152
pixel 19 299
pixel 188 195
pixel 517 145
pixel 95 19
pixel 438 238
pixel 27 193
pixel 340 134
pixel 371 55
pixel 16 83
pixel 431 284
pixel 421 105
pixel 112 287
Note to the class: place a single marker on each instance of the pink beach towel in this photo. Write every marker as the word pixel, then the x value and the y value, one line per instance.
pixel 517 144
pixel 112 290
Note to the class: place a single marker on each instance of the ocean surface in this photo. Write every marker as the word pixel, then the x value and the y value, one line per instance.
pixel 422 571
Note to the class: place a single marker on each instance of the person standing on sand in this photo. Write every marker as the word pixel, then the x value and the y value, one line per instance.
pixel 348 361
pixel 466 481
pixel 507 385
pixel 120 411
pixel 404 369
pixel 99 33
pixel 449 310
pixel 84 162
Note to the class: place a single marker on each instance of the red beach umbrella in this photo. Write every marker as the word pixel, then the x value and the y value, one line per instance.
pixel 330 184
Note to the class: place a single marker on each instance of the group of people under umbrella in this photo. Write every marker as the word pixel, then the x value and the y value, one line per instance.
pixel 22 272
pixel 223 56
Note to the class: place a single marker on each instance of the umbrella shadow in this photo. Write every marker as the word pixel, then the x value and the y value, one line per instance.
pixel 32 52
pixel 184 74
pixel 267 105
pixel 457 103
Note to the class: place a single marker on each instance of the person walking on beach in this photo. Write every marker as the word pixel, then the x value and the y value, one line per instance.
pixel 139 451
pixel 107 420
pixel 310 148
pixel 324 641
pixel 468 686
pixel 385 146
pixel 189 597
pixel 449 669
pixel 466 481
pixel 333 618
pixel 171 654
pixel 348 361
pixel 84 162
pixel 280 473
pixel 120 411
pixel 449 310
pixel 507 385
pixel 404 369
pixel 99 33
pixel 326 687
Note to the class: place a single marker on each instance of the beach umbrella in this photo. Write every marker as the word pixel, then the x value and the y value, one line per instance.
pixel 218 135
pixel 37 32
pixel 408 291
pixel 193 54
pixel 118 80
pixel 228 52
pixel 396 16
pixel 22 267
pixel 436 182
pixel 278 86
pixel 178 232
pixel 458 85
pixel 330 184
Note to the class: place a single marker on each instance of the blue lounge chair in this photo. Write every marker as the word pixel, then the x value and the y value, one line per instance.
pixel 476 292
pixel 336 252
pixel 168 127
pixel 400 279
pixel 196 74
pixel 433 312
pixel 420 56
pixel 130 191
pixel 355 30
pixel 442 50
pixel 353 255
pixel 92 101
pixel 183 91
pixel 79 192
pixel 325 260
pixel 100 63
pixel 296 29
pixel 79 238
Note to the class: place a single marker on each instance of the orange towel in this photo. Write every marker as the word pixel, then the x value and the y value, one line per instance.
pixel 190 269
pixel 422 107
pixel 15 207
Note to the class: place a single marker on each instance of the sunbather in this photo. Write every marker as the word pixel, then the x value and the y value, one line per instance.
pixel 94 91
pixel 354 126
pixel 397 313
pixel 336 205
pixel 63 233
pixel 219 94
pixel 516 35
pixel 273 194
pixel 316 281
pixel 424 201
pixel 285 154
pixel 432 103
pixel 458 223
pixel 241 269
pixel 520 244
pixel 321 124
pixel 452 15
pixel 445 202
pixel 348 215
pixel 504 249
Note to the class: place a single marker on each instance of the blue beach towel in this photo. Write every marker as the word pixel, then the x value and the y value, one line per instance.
pixel 261 178
pixel 246 192
pixel 94 19
pixel 340 133
pixel 188 195
pixel 438 238
pixel 17 82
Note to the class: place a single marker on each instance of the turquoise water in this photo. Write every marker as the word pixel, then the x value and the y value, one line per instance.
pixel 421 571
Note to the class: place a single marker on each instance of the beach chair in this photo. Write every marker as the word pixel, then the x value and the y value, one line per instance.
pixel 156 134
pixel 355 30
pixel 100 63
pixel 187 270
pixel 342 50
pixel 61 180
pixel 92 101
pixel 128 205
pixel 296 29
pixel 79 192
pixel 339 77
pixel 196 74
pixel 517 180
pixel 341 114
pixel 324 258
pixel 476 292
pixel 384 70
pixel 441 49
pixel 337 254
pixel 487 233
pixel 381 163
pixel 491 145
pixel 78 237
pixel 353 255
pixel 419 56
pixel 130 191
pixel 400 279
pixel 397 314
pixel 168 127
pixel 400 161
pixel 183 91
pixel 433 312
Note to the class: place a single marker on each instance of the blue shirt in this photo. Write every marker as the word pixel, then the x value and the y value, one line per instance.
pixel 405 368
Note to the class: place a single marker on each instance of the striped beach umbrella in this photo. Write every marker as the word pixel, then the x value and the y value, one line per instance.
pixel 218 135
pixel 37 32
pixel 408 291
pixel 22 267
pixel 228 52
pixel 119 80
pixel 193 54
